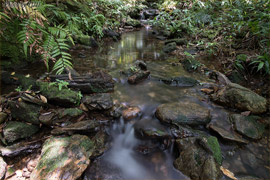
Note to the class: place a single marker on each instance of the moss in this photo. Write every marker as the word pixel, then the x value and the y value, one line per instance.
pixel 72 112
pixel 87 144
pixel 214 145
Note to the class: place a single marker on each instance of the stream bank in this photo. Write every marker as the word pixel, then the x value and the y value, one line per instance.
pixel 170 124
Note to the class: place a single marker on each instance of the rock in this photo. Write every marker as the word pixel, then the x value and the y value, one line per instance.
pixel 48 118
pixel 64 97
pixel 182 132
pixel 100 101
pixel 212 142
pixel 87 41
pixel 221 124
pixel 89 126
pixel 111 33
pixel 148 13
pixel 70 112
pixel 186 113
pixel 181 81
pixel 3 117
pixel 241 98
pixel 196 159
pixel 179 42
pixel 131 112
pixel 25 111
pixel 141 65
pixel 3 168
pixel 248 178
pixel 63 158
pixel 99 140
pixel 248 126
pixel 138 77
pixel 168 48
pixel 19 148
pixel 15 130
pixel 98 82
pixel 150 129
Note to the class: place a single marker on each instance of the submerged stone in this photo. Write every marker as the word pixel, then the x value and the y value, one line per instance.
pixel 131 112
pixel 138 77
pixel 64 158
pixel 186 113
pixel 239 97
pixel 181 81
pixel 15 130
pixel 25 111
pixel 248 126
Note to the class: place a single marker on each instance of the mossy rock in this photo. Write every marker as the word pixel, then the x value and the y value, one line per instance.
pixel 170 47
pixel 64 97
pixel 3 117
pixel 248 126
pixel 15 130
pixel 70 112
pixel 25 111
pixel 214 145
pixel 64 158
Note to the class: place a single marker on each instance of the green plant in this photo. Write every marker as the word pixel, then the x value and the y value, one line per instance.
pixel 59 83
pixel 262 63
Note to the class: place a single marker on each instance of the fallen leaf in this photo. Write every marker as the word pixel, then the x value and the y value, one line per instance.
pixel 227 173
pixel 16 79
pixel 13 73
pixel 43 99
pixel 207 91
pixel 83 107
pixel 28 75
pixel 20 99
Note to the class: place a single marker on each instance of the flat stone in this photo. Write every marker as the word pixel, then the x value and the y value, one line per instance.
pixel 100 101
pixel 19 148
pixel 63 158
pixel 186 113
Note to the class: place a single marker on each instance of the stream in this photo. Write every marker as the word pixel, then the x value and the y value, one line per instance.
pixel 123 160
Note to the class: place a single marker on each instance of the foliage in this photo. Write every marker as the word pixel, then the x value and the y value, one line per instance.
pixel 59 83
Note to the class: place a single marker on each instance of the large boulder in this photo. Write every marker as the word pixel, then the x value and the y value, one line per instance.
pixel 186 113
pixel 25 111
pixel 197 158
pixel 101 101
pixel 239 97
pixel 248 126
pixel 64 158
pixel 15 130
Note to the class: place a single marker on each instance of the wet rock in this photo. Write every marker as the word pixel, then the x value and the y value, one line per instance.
pixel 239 97
pixel 196 159
pixel 170 47
pixel 179 42
pixel 48 118
pixel 100 101
pixel 86 40
pixel 3 117
pixel 181 132
pixel 141 64
pixel 3 168
pixel 221 124
pixel 212 142
pixel 19 148
pixel 98 82
pixel 99 140
pixel 64 97
pixel 89 126
pixel 24 111
pixel 111 33
pixel 248 126
pixel 186 113
pixel 131 112
pixel 64 158
pixel 138 77
pixel 15 130
pixel 181 81
pixel 150 129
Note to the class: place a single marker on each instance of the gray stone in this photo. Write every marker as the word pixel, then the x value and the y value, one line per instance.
pixel 186 113
pixel 100 101
pixel 3 117
pixel 168 48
